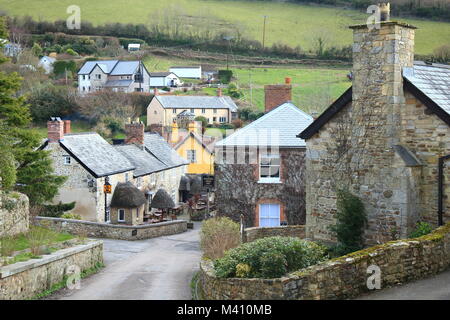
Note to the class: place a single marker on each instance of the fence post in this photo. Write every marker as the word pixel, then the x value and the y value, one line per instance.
pixel 243 235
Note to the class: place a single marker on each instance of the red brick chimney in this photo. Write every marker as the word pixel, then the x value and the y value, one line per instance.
pixel 134 133
pixel 219 92
pixel 66 126
pixel 155 91
pixel 55 129
pixel 277 94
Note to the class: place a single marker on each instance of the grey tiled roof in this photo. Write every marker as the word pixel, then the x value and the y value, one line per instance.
pixel 432 80
pixel 105 65
pixel 143 160
pixel 278 127
pixel 96 153
pixel 125 67
pixel 160 74
pixel 157 146
pixel 118 83
pixel 206 102
pixel 113 67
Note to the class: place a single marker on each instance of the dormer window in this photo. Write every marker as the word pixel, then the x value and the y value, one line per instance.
pixel 67 160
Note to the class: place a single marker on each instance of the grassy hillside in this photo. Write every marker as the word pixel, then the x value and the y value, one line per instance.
pixel 314 88
pixel 287 23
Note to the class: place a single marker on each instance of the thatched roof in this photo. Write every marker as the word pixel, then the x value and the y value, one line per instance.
pixel 162 200
pixel 126 195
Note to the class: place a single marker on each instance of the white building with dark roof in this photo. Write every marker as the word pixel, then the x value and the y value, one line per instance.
pixel 90 162
pixel 164 79
pixel 114 75
pixel 164 109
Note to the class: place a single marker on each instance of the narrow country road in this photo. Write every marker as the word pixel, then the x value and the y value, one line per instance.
pixel 160 268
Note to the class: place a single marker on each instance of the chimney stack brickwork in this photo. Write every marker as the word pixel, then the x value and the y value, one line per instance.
pixel 134 133
pixel 67 126
pixel 55 130
pixel 276 94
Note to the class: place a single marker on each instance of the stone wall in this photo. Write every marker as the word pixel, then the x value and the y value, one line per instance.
pixel 239 192
pixel 25 280
pixel 252 234
pixel 14 214
pixel 345 277
pixel 111 231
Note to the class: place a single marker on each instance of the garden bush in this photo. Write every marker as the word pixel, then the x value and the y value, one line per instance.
pixel 351 221
pixel 270 257
pixel 72 216
pixel 218 235
pixel 56 210
pixel 422 228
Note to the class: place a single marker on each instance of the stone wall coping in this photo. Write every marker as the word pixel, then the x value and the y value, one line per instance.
pixel 384 23
pixel 300 226
pixel 109 225
pixel 12 269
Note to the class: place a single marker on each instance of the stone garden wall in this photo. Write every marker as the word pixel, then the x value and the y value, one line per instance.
pixel 25 280
pixel 345 277
pixel 252 234
pixel 14 214
pixel 111 231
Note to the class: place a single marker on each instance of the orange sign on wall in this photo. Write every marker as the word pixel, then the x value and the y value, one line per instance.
pixel 107 188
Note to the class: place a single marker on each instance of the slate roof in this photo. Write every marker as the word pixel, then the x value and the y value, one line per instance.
pixel 429 83
pixel 278 127
pixel 144 161
pixel 204 102
pixel 125 67
pixel 105 65
pixel 433 80
pixel 112 67
pixel 160 74
pixel 118 83
pixel 95 154
pixel 158 147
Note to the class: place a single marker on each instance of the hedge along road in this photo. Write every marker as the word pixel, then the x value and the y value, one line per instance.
pixel 159 268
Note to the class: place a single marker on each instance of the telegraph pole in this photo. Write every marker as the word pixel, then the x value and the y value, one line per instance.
pixel 264 32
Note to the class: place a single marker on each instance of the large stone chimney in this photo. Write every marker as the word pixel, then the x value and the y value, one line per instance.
pixel 277 94
pixel 380 52
pixel 55 129
pixel 134 131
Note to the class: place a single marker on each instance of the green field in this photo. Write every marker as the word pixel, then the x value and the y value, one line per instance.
pixel 314 88
pixel 287 23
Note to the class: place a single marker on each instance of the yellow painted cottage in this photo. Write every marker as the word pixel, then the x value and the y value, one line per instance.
pixel 197 148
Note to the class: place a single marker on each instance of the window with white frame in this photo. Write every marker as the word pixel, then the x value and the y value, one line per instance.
pixel 139 182
pixel 192 110
pixel 67 160
pixel 222 119
pixel 203 110
pixel 174 110
pixel 269 215
pixel 121 215
pixel 191 156
pixel 126 177
pixel 269 167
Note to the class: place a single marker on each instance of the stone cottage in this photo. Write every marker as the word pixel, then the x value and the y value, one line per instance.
pixel 90 162
pixel 383 139
pixel 260 169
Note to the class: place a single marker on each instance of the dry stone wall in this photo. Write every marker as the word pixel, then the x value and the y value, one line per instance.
pixel 252 234
pixel 345 277
pixel 111 231
pixel 14 214
pixel 25 280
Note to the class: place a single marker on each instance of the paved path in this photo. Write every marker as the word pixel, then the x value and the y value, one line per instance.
pixel 160 268
pixel 433 288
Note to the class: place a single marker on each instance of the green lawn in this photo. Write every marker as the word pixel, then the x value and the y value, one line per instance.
pixel 287 23
pixel 21 242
